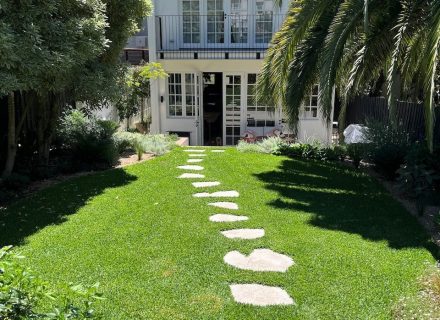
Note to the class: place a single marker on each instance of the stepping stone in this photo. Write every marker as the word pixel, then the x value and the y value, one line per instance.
pixel 224 205
pixel 190 167
pixel 259 260
pixel 246 234
pixel 194 150
pixel 196 155
pixel 194 160
pixel 205 184
pixel 260 295
pixel 217 151
pixel 227 218
pixel 219 194
pixel 191 176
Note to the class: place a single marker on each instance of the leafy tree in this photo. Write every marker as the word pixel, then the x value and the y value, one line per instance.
pixel 136 89
pixel 55 53
pixel 350 45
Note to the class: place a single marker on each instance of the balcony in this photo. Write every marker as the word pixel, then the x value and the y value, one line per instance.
pixel 215 36
pixel 135 56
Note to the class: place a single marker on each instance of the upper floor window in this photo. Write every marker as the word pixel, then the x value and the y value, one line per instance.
pixel 191 21
pixel 264 21
pixel 182 97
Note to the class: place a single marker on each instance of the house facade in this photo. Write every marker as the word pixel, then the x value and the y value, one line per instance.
pixel 213 51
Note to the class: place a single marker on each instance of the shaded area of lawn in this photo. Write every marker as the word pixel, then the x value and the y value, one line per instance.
pixel 55 204
pixel 355 205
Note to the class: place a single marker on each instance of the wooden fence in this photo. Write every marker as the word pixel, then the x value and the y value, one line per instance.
pixel 410 115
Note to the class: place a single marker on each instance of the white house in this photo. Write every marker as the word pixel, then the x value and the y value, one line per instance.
pixel 213 51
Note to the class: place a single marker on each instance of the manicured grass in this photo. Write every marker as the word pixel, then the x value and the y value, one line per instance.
pixel 148 242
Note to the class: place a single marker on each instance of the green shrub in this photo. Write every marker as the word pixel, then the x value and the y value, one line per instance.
pixel 145 143
pixel 387 148
pixel 418 176
pixel 437 219
pixel 356 152
pixel 23 295
pixel 271 145
pixel 88 139
pixel 16 181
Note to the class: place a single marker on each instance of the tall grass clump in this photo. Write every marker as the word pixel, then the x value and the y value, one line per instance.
pixel 158 144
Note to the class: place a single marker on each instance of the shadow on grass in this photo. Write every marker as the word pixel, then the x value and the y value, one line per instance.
pixel 52 205
pixel 342 199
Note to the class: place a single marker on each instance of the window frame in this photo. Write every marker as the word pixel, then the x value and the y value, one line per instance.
pixel 309 107
pixel 183 88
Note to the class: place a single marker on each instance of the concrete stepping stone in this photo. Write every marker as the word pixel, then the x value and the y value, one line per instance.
pixel 245 234
pixel 217 151
pixel 218 194
pixel 227 218
pixel 206 184
pixel 194 150
pixel 260 295
pixel 261 260
pixel 197 155
pixel 191 176
pixel 191 167
pixel 194 160
pixel 224 205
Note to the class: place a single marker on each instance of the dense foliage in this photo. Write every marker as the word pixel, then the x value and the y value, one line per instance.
pixel 354 45
pixel 145 143
pixel 23 295
pixel 87 139
pixel 55 54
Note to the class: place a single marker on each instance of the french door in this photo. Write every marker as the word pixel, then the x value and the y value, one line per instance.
pixel 198 115
pixel 233 107
pixel 227 23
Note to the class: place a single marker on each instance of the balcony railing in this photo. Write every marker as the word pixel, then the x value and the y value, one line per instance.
pixel 215 36
pixel 135 56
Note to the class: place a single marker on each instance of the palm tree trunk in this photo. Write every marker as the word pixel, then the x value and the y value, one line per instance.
pixel 342 118
pixel 12 140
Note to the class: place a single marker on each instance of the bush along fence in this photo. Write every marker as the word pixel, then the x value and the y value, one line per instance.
pixel 410 115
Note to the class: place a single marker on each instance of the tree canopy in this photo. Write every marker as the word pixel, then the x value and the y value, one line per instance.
pixel 350 45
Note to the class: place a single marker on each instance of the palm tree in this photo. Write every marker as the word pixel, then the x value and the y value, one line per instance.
pixel 349 45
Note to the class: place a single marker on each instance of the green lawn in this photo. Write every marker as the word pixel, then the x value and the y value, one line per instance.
pixel 148 242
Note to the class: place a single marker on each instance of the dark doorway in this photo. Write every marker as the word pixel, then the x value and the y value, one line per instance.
pixel 213 109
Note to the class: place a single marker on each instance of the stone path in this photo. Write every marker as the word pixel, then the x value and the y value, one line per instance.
pixel 259 260
pixel 224 205
pixel 260 295
pixel 190 167
pixel 246 234
pixel 205 184
pixel 227 218
pixel 218 194
pixel 194 160
pixel 191 176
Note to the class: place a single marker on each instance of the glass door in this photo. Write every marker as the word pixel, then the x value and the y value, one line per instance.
pixel 215 23
pixel 190 23
pixel 233 108
pixel 238 22
pixel 263 23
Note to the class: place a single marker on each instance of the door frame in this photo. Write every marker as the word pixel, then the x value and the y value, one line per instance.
pixel 242 101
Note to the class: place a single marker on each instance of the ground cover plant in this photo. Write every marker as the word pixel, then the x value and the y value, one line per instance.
pixel 141 234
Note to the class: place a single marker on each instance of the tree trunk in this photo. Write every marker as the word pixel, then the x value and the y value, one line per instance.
pixel 342 119
pixel 12 140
